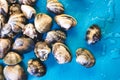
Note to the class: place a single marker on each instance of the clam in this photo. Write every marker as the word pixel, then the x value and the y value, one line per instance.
pixel 12 58
pixel 2 21
pixel 36 68
pixel 65 21
pixel 17 22
pixel 29 30
pixel 15 72
pixel 12 1
pixel 93 34
pixel 5 45
pixel 61 53
pixel 42 50
pixel 1 73
pixel 22 45
pixel 3 7
pixel 15 9
pixel 55 36
pixel 84 57
pixel 42 22
pixel 27 2
pixel 28 11
pixel 55 6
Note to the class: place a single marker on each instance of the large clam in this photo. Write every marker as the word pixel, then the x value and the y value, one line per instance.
pixel 27 2
pixel 3 7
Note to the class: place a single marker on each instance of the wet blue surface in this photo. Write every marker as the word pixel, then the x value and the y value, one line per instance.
pixel 105 13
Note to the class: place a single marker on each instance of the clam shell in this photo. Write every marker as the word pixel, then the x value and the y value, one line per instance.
pixel 36 68
pixel 3 7
pixel 42 50
pixel 84 57
pixel 93 34
pixel 22 45
pixel 12 58
pixel 55 6
pixel 12 1
pixel 1 73
pixel 15 72
pixel 5 45
pixel 28 11
pixel 29 30
pixel 2 21
pixel 42 22
pixel 55 36
pixel 65 21
pixel 61 53
pixel 27 2
pixel 15 9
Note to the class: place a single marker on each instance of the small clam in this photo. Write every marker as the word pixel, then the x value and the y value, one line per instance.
pixel 28 11
pixel 84 57
pixel 1 73
pixel 29 30
pixel 12 1
pixel 3 7
pixel 27 2
pixel 17 22
pixel 55 6
pixel 2 21
pixel 61 53
pixel 93 34
pixel 55 36
pixel 5 45
pixel 15 9
pixel 12 58
pixel 42 23
pixel 36 68
pixel 15 72
pixel 65 21
pixel 42 50
pixel 23 45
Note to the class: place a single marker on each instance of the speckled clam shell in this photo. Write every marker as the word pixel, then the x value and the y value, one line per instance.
pixel 55 36
pixel 30 31
pixel 2 21
pixel 84 57
pixel 28 11
pixel 14 9
pixel 65 21
pixel 5 45
pixel 27 2
pixel 55 6
pixel 36 68
pixel 42 50
pixel 42 22
pixel 61 53
pixel 1 73
pixel 12 58
pixel 22 45
pixel 17 22
pixel 15 72
pixel 93 34
pixel 3 7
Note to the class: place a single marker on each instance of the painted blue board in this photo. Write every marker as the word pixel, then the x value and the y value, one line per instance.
pixel 105 13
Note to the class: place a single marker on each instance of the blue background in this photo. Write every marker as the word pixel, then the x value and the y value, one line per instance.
pixel 105 13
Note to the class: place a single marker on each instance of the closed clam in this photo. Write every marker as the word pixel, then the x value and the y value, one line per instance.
pixel 42 22
pixel 42 50
pixel 15 72
pixel 1 73
pixel 2 21
pixel 36 68
pixel 65 21
pixel 84 57
pixel 93 34
pixel 14 9
pixel 5 45
pixel 17 22
pixel 23 45
pixel 27 2
pixel 30 31
pixel 55 36
pixel 55 6
pixel 3 7
pixel 61 53
pixel 12 58
pixel 28 11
